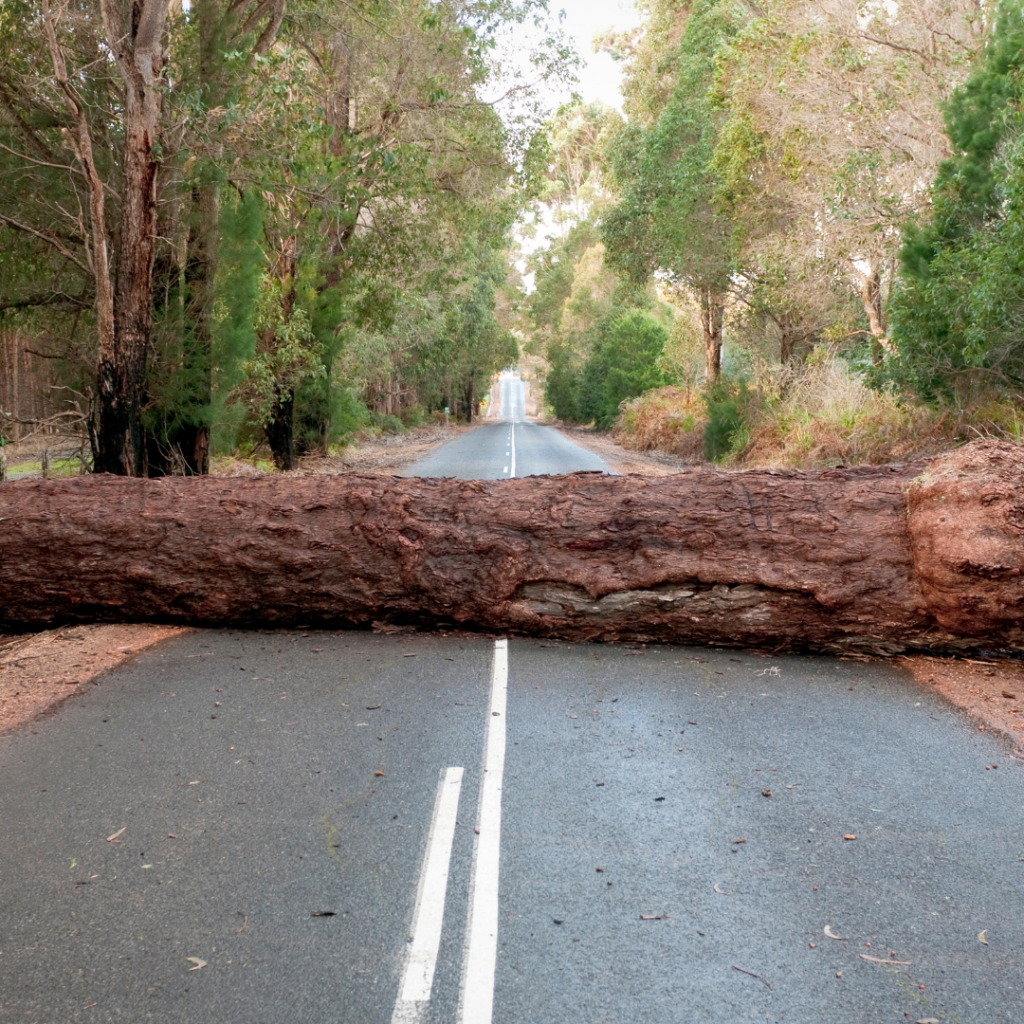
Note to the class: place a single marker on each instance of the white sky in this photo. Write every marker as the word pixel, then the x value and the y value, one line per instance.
pixel 600 78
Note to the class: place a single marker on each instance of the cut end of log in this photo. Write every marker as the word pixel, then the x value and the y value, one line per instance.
pixel 966 527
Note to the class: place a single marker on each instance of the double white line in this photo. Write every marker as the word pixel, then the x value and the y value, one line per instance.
pixel 480 954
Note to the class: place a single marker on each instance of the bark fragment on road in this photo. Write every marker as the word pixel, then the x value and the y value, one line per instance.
pixel 826 560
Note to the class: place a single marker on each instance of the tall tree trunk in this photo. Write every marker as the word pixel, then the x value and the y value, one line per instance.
pixel 874 310
pixel 97 252
pixel 712 315
pixel 138 46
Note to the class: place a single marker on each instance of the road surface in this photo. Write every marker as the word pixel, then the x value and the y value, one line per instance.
pixel 511 447
pixel 352 828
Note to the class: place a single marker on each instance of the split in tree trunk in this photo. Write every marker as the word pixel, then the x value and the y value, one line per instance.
pixel 828 561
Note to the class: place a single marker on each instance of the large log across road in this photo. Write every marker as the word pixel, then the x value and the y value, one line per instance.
pixel 923 556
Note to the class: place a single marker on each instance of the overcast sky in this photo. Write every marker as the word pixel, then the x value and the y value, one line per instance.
pixel 600 78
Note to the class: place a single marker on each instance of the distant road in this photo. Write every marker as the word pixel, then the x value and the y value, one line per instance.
pixel 511 447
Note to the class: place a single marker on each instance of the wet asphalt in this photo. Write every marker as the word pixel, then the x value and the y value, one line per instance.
pixel 261 802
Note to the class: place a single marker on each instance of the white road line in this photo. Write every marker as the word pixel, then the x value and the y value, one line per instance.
pixel 512 446
pixel 476 996
pixel 421 958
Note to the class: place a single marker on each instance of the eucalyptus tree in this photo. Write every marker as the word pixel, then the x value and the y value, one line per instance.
pixel 667 220
pixel 833 135
pixel 84 93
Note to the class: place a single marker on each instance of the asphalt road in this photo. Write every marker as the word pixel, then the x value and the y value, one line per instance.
pixel 512 447
pixel 376 829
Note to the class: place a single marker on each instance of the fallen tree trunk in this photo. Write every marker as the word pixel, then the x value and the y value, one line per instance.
pixel 925 556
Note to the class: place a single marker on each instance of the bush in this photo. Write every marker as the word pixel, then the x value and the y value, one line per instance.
pixel 623 364
pixel 725 403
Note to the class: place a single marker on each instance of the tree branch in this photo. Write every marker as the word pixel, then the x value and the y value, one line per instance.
pixel 51 238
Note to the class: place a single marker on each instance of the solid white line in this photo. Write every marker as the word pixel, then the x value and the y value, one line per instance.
pixel 512 446
pixel 421 959
pixel 476 997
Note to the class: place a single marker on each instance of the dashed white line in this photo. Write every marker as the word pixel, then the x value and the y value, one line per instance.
pixel 476 996
pixel 512 447
pixel 421 958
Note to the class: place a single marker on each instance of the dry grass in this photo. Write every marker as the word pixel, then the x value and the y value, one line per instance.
pixel 669 419
pixel 821 416
pixel 827 416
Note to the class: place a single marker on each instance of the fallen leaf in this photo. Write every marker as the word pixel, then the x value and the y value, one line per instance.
pixel 720 891
pixel 317 650
pixel 378 775
pixel 928 1020
pixel 372 707
pixel 408 655
pixel 113 838
pixel 322 913
pixel 245 923
pixel 654 917
pixel 832 935
pixel 981 937
pixel 849 835
pixel 738 841
pixel 879 960
pixel 199 964
pixel 766 792
pixel 1008 695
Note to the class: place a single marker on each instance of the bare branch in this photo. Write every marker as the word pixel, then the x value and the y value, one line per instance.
pixel 50 237
pixel 82 143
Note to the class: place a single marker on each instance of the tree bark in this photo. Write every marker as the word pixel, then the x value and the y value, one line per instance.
pixel 874 310
pixel 712 315
pixel 827 561
pixel 121 379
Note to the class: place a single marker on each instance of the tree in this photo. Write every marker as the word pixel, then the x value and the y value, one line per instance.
pixel 960 308
pixel 834 129
pixel 667 220
pixel 623 364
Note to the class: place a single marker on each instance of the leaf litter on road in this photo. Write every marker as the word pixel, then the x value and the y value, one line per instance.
pixel 832 935
pixel 199 964
pixel 113 838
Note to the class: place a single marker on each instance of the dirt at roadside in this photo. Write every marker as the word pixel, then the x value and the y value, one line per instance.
pixel 990 691
pixel 39 671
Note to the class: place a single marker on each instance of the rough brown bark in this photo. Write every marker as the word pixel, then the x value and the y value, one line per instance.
pixel 828 560
pixel 139 48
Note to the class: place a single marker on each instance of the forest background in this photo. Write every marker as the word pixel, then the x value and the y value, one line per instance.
pixel 242 224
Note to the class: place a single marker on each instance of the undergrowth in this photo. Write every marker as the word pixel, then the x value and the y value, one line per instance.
pixel 814 417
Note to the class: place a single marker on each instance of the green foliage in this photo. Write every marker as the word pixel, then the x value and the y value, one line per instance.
pixel 623 364
pixel 725 403
pixel 666 218
pixel 958 314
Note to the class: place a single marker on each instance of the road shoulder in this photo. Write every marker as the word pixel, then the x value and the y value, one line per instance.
pixel 39 671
